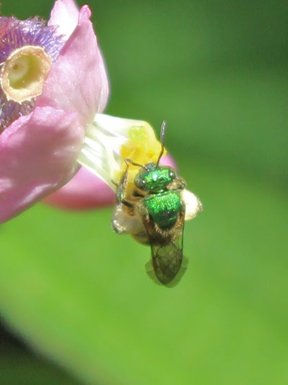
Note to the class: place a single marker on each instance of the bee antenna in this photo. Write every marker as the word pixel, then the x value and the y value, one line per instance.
pixel 128 160
pixel 162 139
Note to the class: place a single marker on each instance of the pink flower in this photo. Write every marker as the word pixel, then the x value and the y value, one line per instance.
pixel 53 83
pixel 53 88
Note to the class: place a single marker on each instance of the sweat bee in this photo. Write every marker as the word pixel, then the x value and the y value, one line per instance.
pixel 154 214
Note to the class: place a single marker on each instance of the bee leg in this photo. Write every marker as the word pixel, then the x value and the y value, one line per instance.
pixel 118 220
pixel 115 184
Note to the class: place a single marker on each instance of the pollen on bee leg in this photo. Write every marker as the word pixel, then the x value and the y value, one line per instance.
pixel 24 72
pixel 193 206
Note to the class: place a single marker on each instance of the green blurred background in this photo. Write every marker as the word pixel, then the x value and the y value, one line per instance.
pixel 74 295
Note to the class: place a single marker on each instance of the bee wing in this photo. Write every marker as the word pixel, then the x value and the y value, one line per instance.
pixel 151 273
pixel 166 266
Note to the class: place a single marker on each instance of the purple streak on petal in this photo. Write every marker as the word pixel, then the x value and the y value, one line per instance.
pixel 15 34
pixel 38 154
pixel 19 33
pixel 10 110
pixel 84 191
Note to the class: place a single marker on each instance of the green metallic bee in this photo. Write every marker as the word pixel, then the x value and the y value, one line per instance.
pixel 154 215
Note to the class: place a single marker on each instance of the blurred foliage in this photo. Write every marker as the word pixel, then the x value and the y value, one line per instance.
pixel 78 293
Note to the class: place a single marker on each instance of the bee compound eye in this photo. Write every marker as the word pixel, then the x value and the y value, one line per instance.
pixel 140 182
pixel 172 174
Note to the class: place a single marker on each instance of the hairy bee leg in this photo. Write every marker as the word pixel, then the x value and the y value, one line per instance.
pixel 118 221
pixel 115 184
pixel 123 201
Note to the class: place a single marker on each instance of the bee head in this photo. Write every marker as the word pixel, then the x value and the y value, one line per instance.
pixel 153 178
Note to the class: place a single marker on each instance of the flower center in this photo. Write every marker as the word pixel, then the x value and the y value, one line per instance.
pixel 24 72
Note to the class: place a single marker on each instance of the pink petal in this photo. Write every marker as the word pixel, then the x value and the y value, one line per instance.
pixel 83 191
pixel 77 80
pixel 38 154
pixel 64 16
pixel 167 160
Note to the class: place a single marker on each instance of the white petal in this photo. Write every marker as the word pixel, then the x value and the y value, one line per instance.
pixel 102 145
